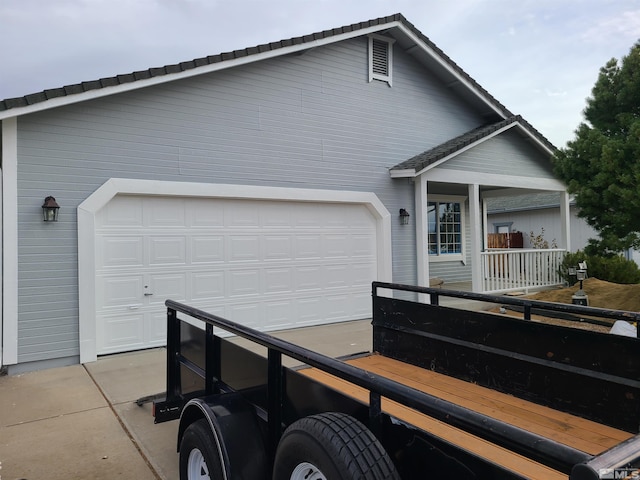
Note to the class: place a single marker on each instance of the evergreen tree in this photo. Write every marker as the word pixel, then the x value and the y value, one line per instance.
pixel 601 166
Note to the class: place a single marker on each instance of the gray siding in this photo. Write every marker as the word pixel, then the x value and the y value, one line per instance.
pixel 548 218
pixel 506 154
pixel 309 121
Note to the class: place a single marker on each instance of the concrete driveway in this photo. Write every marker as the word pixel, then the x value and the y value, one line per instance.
pixel 82 421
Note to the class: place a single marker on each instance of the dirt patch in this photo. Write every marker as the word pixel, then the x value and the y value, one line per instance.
pixel 601 294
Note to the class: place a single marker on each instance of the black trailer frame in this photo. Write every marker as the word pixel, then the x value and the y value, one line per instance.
pixel 201 365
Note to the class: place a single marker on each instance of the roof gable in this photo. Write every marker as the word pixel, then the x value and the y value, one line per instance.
pixel 396 26
pixel 451 148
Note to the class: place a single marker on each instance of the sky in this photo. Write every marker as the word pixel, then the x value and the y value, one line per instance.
pixel 539 58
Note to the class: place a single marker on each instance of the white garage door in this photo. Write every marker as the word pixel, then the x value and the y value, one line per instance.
pixel 266 264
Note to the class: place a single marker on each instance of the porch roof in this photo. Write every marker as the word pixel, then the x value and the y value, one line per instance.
pixel 457 145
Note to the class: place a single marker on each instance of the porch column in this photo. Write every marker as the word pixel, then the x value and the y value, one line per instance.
pixel 485 223
pixel 421 230
pixel 565 221
pixel 476 237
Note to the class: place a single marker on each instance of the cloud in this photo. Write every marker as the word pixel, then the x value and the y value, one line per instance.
pixel 614 29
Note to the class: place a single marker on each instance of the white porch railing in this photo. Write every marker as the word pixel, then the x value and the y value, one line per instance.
pixel 520 269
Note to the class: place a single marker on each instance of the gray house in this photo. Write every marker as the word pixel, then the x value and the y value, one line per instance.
pixel 269 185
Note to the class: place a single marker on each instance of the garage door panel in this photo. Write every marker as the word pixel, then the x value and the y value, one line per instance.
pixel 308 247
pixel 165 212
pixel 337 307
pixel 167 285
pixel 207 285
pixel 244 248
pixel 249 314
pixel 120 251
pixel 243 282
pixel 200 213
pixel 156 329
pixel 361 303
pixel 276 214
pixel 308 278
pixel 337 246
pixel 357 217
pixel 167 250
pixel 278 280
pixel 363 246
pixel 337 276
pixel 279 314
pixel 241 214
pixel 277 247
pixel 122 210
pixel 119 291
pixel 207 249
pixel 266 264
pixel 310 311
pixel 122 332
pixel 361 274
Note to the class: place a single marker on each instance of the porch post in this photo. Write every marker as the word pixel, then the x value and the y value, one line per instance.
pixel 485 223
pixel 421 230
pixel 565 221
pixel 476 237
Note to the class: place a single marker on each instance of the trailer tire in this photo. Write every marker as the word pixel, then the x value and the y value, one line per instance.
pixel 331 446
pixel 199 457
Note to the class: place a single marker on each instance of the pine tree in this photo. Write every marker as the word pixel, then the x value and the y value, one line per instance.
pixel 601 166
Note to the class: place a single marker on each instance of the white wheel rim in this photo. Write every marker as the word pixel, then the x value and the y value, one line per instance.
pixel 197 467
pixel 307 471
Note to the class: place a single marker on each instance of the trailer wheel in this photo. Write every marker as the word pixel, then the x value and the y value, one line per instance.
pixel 331 446
pixel 199 458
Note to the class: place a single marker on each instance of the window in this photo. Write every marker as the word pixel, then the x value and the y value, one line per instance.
pixel 445 224
pixel 380 57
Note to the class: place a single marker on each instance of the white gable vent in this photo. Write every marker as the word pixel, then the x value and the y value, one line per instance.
pixel 380 58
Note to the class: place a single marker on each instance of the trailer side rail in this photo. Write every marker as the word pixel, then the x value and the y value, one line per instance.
pixel 539 448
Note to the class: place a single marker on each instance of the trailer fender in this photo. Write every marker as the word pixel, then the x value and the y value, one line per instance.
pixel 235 432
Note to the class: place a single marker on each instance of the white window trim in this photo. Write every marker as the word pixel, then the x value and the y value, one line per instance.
pixel 451 257
pixel 376 76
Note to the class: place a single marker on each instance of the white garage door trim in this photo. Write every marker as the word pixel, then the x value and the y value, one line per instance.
pixel 86 229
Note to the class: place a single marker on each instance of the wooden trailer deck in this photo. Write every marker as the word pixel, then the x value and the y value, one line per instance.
pixel 585 435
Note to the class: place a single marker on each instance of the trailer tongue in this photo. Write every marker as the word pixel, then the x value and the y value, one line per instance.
pixel 446 393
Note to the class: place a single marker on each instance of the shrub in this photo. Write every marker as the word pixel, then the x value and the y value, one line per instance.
pixel 612 268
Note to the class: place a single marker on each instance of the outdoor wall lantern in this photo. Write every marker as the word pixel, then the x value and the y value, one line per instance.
pixel 50 209
pixel 404 217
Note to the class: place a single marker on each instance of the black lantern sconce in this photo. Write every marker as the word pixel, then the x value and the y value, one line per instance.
pixel 404 217
pixel 50 210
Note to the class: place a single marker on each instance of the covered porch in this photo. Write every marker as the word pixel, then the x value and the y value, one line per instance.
pixel 452 184
pixel 491 270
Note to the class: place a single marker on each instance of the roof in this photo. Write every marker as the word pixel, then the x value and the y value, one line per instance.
pixel 406 35
pixel 466 140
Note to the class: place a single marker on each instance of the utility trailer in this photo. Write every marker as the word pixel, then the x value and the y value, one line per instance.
pixel 446 393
